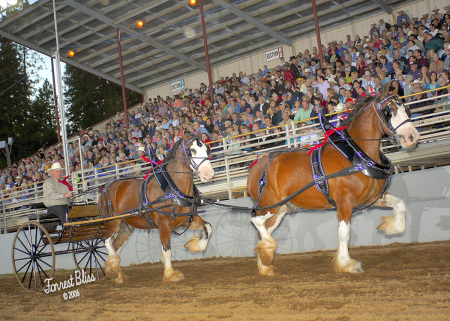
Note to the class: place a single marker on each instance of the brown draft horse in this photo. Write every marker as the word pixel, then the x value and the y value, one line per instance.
pixel 289 172
pixel 188 156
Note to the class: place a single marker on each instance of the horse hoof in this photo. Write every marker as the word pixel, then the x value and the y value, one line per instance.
pixel 353 266
pixel 194 245
pixel 389 227
pixel 112 269
pixel 173 276
pixel 110 273
pixel 268 270
pixel 121 278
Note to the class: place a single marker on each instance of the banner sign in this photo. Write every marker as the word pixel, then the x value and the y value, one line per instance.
pixel 176 86
pixel 274 54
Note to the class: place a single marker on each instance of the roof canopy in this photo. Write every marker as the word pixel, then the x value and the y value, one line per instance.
pixel 170 44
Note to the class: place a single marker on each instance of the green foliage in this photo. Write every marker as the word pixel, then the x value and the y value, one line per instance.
pixel 43 124
pixel 90 99
pixel 27 114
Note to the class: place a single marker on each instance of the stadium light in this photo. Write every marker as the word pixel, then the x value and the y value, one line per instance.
pixel 139 23
pixel 192 2
pixel 71 53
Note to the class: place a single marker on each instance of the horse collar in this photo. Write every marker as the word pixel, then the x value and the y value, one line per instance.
pixel 350 150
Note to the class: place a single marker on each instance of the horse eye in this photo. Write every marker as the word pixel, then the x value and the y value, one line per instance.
pixel 193 151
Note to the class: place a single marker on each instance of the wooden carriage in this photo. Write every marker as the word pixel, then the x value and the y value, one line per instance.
pixel 37 243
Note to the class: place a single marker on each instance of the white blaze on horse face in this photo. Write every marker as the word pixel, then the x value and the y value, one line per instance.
pixel 200 156
pixel 407 133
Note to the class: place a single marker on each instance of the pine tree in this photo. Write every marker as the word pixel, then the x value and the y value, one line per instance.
pixel 91 99
pixel 15 91
pixel 43 124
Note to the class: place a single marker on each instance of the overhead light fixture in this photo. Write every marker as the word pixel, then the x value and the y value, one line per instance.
pixel 192 2
pixel 71 53
pixel 139 23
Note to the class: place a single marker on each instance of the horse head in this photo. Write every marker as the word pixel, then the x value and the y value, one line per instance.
pixel 395 119
pixel 199 162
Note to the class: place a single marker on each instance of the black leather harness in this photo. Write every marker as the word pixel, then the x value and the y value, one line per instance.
pixel 351 151
pixel 342 141
pixel 169 188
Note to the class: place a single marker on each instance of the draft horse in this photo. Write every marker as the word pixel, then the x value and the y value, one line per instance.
pixel 166 210
pixel 348 174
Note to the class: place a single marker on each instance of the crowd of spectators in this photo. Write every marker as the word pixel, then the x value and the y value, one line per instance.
pixel 410 55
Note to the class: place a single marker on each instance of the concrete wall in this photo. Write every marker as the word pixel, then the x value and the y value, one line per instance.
pixel 251 64
pixel 426 193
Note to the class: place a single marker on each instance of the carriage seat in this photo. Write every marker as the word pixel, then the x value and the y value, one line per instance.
pixel 48 220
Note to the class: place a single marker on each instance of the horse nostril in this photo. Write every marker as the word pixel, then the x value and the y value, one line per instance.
pixel 411 137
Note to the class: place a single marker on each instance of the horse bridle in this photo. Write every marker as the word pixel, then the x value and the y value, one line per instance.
pixel 185 149
pixel 384 114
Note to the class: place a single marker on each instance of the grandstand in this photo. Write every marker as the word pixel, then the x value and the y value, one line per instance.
pixel 108 150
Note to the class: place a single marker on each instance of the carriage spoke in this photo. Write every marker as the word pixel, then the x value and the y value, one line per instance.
pixel 42 247
pixel 21 259
pixel 44 262
pixel 31 274
pixel 26 235
pixel 25 273
pixel 19 250
pixel 101 252
pixel 87 262
pixel 40 276
pixel 82 259
pixel 24 246
pixel 31 262
pixel 41 269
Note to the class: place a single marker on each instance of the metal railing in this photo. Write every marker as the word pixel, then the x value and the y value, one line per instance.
pixel 230 158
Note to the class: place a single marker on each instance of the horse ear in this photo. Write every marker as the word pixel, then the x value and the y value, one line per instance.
pixel 383 92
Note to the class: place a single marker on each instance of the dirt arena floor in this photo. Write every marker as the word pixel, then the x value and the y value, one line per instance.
pixel 401 282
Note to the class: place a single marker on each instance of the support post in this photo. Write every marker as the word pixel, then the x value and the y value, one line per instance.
pixel 61 106
pixel 2 195
pixel 316 23
pixel 8 153
pixel 205 44
pixel 55 98
pixel 122 79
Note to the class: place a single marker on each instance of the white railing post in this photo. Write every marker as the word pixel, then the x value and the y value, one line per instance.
pixel 227 171
pixel 35 191
pixel 288 136
pixel 293 134
pixel 5 230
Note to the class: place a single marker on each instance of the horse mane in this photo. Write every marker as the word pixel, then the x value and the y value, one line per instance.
pixel 356 111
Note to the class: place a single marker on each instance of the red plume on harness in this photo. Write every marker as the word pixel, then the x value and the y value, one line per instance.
pixel 151 162
pixel 255 161
pixel 65 182
pixel 327 134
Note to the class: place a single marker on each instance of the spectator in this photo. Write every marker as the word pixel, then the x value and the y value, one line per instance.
pixel 304 112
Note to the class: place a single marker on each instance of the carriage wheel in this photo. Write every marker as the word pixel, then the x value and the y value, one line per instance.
pixel 90 256
pixel 33 256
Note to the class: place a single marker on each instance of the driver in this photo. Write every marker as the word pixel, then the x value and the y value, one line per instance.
pixel 56 194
